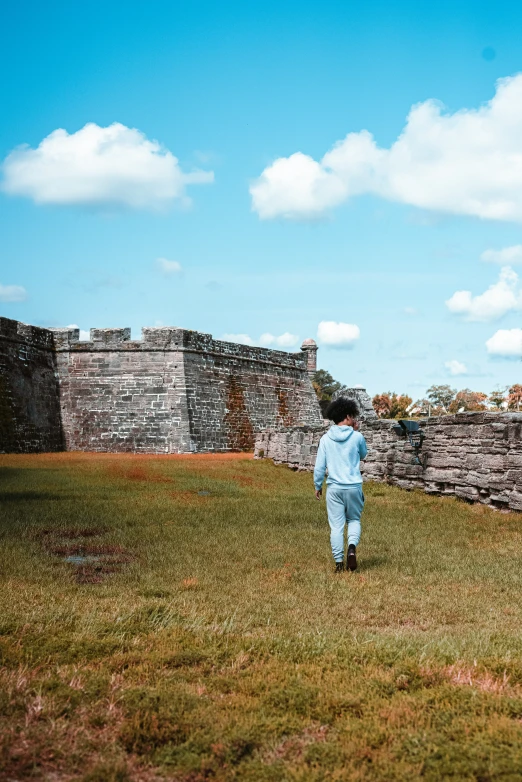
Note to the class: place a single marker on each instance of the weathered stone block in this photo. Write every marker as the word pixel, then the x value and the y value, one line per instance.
pixel 110 337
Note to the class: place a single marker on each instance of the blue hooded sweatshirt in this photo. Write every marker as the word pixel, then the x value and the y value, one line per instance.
pixel 340 452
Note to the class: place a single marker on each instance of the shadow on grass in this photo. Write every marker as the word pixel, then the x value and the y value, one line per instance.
pixel 23 496
pixel 369 563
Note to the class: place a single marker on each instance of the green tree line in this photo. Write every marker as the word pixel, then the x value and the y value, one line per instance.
pixel 439 399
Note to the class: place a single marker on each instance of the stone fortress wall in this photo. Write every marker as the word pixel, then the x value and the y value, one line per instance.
pixel 30 417
pixel 474 456
pixel 173 391
pixel 179 391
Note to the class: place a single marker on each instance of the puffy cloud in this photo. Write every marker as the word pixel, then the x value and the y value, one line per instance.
pixel 505 342
pixel 243 339
pixel 339 335
pixel 96 166
pixel 468 163
pixel 285 340
pixel 508 255
pixel 296 187
pixel 500 298
pixel 456 367
pixel 11 293
pixel 169 267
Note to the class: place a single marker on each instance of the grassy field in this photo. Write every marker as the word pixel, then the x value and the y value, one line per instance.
pixel 179 617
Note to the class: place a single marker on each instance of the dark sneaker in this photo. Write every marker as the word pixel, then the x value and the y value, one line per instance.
pixel 351 559
pixel 339 567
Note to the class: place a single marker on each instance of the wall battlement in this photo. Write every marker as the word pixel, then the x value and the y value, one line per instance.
pixel 173 391
pixel 22 333
pixel 165 338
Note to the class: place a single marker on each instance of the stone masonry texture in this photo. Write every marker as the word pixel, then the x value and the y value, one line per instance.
pixel 173 391
pixel 29 395
pixel 474 456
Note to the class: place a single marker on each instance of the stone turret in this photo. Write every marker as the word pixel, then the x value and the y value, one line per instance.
pixel 309 346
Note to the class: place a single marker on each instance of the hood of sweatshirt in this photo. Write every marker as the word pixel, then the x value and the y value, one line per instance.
pixel 340 433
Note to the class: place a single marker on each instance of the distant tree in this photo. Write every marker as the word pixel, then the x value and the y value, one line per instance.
pixel 391 405
pixel 515 397
pixel 498 398
pixel 469 401
pixel 325 386
pixel 382 405
pixel 441 397
pixel 421 407
pixel 400 405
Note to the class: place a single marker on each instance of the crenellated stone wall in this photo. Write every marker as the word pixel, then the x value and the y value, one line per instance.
pixel 173 391
pixel 475 456
pixel 29 392
pixel 119 394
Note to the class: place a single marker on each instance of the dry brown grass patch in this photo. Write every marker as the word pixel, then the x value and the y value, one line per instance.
pixel 478 677
pixel 292 748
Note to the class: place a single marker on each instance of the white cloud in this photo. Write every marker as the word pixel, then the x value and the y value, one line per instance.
pixel 285 340
pixel 500 298
pixel 508 255
pixel 456 367
pixel 243 339
pixel 411 311
pixel 505 342
pixel 341 335
pixel 169 267
pixel 12 293
pixel 95 166
pixel 469 163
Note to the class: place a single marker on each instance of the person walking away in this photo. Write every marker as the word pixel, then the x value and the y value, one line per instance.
pixel 339 456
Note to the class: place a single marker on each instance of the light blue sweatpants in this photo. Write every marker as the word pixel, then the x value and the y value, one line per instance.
pixel 344 506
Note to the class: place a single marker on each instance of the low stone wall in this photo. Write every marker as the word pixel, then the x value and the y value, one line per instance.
pixel 475 456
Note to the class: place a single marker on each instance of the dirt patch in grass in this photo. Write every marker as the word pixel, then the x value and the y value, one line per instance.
pixel 68 534
pixel 90 562
pixel 117 553
pixel 84 532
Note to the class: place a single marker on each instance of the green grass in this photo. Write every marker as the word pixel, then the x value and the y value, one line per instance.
pixel 209 639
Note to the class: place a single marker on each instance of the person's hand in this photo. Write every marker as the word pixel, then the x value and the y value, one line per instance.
pixel 318 494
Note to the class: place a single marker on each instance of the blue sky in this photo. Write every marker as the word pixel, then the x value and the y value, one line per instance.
pixel 377 237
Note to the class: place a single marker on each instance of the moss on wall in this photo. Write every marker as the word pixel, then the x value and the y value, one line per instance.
pixel 238 425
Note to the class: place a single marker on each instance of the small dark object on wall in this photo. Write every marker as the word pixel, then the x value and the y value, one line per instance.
pixel 412 431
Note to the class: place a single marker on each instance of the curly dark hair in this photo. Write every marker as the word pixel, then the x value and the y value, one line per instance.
pixel 337 411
